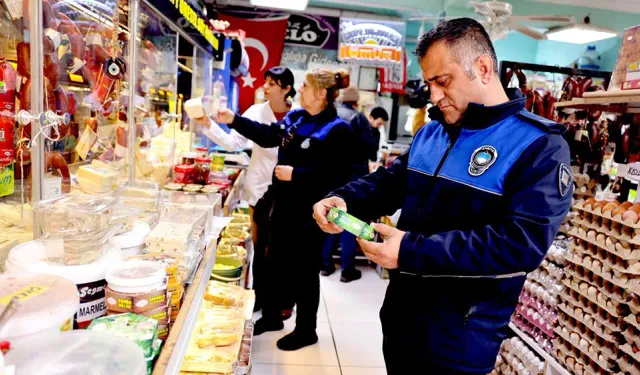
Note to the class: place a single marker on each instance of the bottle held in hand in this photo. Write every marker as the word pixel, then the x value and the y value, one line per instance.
pixel 352 225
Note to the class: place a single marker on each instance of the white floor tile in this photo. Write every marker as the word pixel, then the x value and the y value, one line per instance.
pixel 261 369
pixel 370 283
pixel 322 313
pixel 323 353
pixel 363 371
pixel 354 307
pixel 359 345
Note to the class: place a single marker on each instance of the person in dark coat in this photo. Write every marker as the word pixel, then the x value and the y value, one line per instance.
pixel 365 145
pixel 314 157
pixel 483 190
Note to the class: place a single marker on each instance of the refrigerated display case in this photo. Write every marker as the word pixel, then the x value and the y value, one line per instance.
pixel 69 97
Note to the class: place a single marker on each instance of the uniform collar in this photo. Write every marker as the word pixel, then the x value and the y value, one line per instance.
pixel 479 116
pixel 328 114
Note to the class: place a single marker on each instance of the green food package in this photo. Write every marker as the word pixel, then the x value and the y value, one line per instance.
pixel 141 330
pixel 352 225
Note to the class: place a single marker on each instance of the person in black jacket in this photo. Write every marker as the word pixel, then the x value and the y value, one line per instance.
pixel 378 119
pixel 314 157
pixel 365 144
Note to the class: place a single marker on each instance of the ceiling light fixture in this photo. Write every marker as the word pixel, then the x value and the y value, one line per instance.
pixel 581 33
pixel 282 4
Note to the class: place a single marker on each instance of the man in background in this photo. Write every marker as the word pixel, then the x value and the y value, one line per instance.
pixel 378 119
pixel 365 146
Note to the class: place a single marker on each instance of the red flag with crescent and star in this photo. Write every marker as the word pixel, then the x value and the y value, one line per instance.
pixel 264 43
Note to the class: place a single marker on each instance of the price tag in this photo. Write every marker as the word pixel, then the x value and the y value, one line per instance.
pixel 633 172
pixel 7 182
pixel 87 140
pixel 52 187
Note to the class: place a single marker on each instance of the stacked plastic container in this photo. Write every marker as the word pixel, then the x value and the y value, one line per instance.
pixel 76 228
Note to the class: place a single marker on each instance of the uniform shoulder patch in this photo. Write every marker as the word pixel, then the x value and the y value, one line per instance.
pixel 542 123
pixel 565 180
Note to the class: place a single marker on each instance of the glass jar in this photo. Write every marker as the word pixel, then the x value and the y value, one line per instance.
pixel 183 173
pixel 202 171
pixel 189 158
pixel 202 152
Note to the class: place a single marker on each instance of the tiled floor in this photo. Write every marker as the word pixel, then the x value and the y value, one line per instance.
pixel 350 336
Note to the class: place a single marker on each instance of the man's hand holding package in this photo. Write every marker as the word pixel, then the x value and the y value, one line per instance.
pixel 386 253
pixel 321 210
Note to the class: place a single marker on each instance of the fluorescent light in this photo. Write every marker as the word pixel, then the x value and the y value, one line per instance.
pixel 282 4
pixel 580 34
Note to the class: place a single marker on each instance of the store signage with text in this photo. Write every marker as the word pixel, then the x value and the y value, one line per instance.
pixel 371 43
pixel 312 31
pixel 192 21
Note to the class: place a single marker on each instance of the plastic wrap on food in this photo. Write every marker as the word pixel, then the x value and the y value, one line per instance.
pixel 74 214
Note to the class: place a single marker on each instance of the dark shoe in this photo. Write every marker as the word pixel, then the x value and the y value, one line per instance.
pixel 295 341
pixel 267 325
pixel 349 276
pixel 286 314
pixel 327 271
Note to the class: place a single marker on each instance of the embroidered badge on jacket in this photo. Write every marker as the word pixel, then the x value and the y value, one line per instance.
pixel 482 159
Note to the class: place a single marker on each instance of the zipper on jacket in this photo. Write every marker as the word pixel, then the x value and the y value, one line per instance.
pixel 472 310
pixel 454 137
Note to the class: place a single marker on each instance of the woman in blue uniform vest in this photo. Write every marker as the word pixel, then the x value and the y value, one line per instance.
pixel 313 159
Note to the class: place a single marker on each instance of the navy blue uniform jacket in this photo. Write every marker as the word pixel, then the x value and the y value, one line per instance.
pixel 318 149
pixel 472 231
pixel 365 146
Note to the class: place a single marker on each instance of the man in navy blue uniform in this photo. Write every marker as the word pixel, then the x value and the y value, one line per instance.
pixel 483 190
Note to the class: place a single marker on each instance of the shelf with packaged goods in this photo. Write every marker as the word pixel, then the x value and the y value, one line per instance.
pixel 170 359
pixel 613 104
pixel 558 369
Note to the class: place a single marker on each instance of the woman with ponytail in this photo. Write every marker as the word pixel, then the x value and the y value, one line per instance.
pixel 314 158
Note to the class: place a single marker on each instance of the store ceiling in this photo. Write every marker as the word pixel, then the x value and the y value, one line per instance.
pixel 630 6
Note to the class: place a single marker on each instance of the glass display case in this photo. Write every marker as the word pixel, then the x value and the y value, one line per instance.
pixel 75 77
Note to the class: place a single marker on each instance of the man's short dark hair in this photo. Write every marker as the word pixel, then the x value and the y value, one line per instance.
pixel 379 112
pixel 465 37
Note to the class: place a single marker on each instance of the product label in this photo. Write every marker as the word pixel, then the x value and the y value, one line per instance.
pixel 159 316
pixel 93 303
pixel 52 187
pixel 157 299
pixel 125 303
pixel 7 182
pixel 87 140
pixel 24 293
pixel 351 224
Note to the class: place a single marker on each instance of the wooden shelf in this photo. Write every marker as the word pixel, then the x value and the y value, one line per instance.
pixel 614 104
pixel 556 367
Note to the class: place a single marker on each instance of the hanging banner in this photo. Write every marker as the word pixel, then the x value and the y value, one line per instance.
pixel 189 16
pixel 264 43
pixel 394 78
pixel 371 43
pixel 306 30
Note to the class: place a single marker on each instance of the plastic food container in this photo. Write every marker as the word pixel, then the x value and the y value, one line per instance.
pixel 217 164
pixel 222 294
pixel 183 173
pixel 170 263
pixel 218 332
pixel 144 195
pixel 136 286
pixel 82 248
pixel 47 306
pixel 77 352
pixel 138 329
pixel 132 243
pixel 189 158
pixel 74 214
pixel 31 257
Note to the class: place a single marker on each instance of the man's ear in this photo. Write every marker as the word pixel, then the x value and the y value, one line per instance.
pixel 484 65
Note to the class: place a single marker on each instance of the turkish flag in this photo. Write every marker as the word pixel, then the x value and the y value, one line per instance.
pixel 264 44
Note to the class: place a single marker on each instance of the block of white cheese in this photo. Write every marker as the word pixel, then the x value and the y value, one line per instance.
pixel 172 238
pixel 97 180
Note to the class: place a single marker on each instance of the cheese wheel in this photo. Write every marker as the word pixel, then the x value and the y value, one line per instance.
pixel 601 238
pixel 618 211
pixel 592 291
pixel 591 234
pixel 598 204
pixel 630 216
pixel 635 208
pixel 626 204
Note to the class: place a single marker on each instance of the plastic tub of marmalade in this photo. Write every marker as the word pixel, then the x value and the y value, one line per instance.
pixel 136 286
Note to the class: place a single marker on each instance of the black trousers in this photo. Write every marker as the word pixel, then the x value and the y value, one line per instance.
pixel 398 362
pixel 292 267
